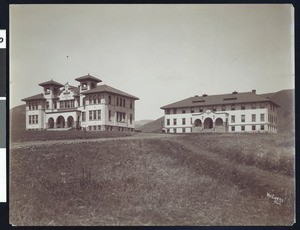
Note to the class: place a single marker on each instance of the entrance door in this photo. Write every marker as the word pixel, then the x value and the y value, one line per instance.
pixel 208 123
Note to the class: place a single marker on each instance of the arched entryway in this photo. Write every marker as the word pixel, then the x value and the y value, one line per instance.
pixel 197 123
pixel 219 122
pixel 50 123
pixel 70 121
pixel 208 123
pixel 60 122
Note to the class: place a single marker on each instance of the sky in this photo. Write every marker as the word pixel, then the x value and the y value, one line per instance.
pixel 158 53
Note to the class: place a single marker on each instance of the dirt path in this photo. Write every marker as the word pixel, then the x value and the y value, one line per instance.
pixel 15 145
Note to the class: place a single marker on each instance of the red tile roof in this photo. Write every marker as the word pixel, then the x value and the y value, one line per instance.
pixel 35 97
pixel 88 77
pixel 51 82
pixel 109 89
pixel 221 99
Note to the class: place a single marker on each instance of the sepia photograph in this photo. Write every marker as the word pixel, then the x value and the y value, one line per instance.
pixel 151 115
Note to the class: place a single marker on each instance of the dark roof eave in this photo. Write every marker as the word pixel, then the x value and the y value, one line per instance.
pixel 105 91
pixel 33 99
pixel 187 106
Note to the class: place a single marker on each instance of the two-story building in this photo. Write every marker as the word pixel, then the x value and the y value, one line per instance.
pixel 90 106
pixel 234 112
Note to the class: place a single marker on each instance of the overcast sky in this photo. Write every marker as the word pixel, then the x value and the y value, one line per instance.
pixel 159 53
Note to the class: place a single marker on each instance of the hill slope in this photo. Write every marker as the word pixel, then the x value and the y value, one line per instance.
pixel 17 118
pixel 286 112
pixel 152 127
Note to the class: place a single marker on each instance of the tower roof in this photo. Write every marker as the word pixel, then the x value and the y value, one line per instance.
pixel 88 77
pixel 51 83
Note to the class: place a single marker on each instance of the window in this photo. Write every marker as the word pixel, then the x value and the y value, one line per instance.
pixel 109 115
pixel 95 114
pixel 30 119
pixel 99 127
pixel 54 103
pixel 117 101
pixel 262 105
pixel 94 127
pixel 253 127
pixel 168 121
pixel 131 118
pixel 90 115
pixel 232 107
pixel 232 118
pixel 262 127
pixel 83 116
pixel 223 107
pixel 242 118
pixel 253 117
pixel 183 110
pixel 192 109
pixel 201 109
pixel 174 121
pixel 94 100
pixel 214 108
pixel 167 111
pixel 120 102
pixel 243 106
pixel 243 128
pixel 232 128
pixel 174 130
pixel 262 117
pixel 124 102
pixel 47 105
pixel 47 91
pixel 99 114
pixel 183 121
pixel 131 104
pixel 183 130
pixel 253 106
pixel 174 111
pixel 109 99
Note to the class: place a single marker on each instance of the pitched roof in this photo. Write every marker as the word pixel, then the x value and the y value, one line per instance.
pixel 109 89
pixel 51 82
pixel 88 77
pixel 221 99
pixel 35 97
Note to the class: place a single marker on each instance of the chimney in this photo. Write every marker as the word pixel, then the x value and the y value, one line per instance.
pixel 204 95
pixel 254 91
pixel 234 92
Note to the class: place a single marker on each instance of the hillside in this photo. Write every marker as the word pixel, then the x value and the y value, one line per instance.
pixel 141 123
pixel 286 112
pixel 152 127
pixel 17 118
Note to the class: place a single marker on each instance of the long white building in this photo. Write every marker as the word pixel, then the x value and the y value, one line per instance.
pixel 234 112
pixel 91 106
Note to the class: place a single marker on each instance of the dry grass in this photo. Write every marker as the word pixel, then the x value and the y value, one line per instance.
pixel 272 152
pixel 143 182
pixel 39 135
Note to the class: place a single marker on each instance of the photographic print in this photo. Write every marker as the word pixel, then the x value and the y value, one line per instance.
pixel 152 115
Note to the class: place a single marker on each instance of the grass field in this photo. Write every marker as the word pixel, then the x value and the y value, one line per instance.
pixel 212 179
pixel 35 135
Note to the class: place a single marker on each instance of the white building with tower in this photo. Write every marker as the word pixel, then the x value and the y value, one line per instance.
pixel 91 105
pixel 234 112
